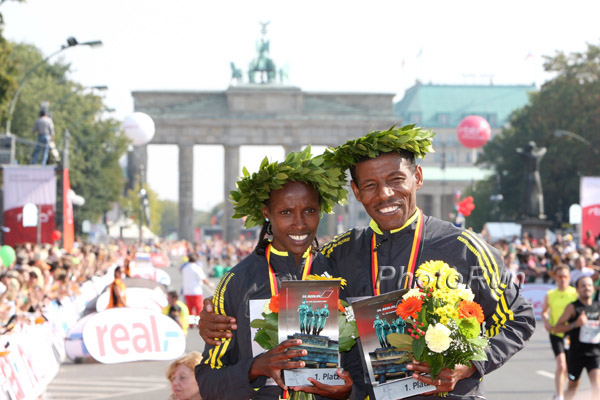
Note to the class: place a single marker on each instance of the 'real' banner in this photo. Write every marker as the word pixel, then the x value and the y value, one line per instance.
pixel 23 185
pixel 590 205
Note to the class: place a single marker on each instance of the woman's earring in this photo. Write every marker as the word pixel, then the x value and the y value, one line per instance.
pixel 267 219
pixel 269 230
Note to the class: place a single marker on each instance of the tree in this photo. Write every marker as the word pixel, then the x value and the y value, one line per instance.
pixel 570 101
pixel 96 143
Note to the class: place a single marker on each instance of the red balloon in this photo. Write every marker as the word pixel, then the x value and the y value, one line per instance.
pixel 474 131
pixel 56 235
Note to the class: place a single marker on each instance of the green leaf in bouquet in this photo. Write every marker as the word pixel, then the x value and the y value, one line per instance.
pixel 348 333
pixel 436 364
pixel 418 347
pixel 400 341
pixel 265 340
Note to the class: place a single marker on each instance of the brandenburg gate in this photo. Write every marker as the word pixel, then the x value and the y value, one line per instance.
pixel 258 112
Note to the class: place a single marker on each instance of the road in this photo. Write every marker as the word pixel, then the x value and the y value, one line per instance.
pixel 528 376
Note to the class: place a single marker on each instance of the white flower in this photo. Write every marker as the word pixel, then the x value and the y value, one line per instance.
pixel 414 292
pixel 438 338
pixel 349 314
pixel 266 309
pixel 465 293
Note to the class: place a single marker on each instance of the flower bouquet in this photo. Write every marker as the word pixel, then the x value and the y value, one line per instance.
pixel 443 321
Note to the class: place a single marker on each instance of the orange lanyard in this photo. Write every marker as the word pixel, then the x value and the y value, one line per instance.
pixel 273 278
pixel 412 260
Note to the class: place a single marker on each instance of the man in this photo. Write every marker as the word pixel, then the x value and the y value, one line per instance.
pixel 193 277
pixel 581 269
pixel 581 321
pixel 117 289
pixel 384 256
pixel 177 310
pixel 555 302
pixel 44 127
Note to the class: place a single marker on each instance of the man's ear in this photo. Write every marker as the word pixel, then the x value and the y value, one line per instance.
pixel 355 191
pixel 418 177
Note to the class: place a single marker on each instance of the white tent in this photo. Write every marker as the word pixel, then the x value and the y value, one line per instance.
pixel 129 230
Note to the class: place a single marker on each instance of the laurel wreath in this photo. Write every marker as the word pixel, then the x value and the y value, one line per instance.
pixel 409 137
pixel 254 190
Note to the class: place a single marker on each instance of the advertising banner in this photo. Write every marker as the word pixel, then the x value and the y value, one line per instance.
pixel 23 185
pixel 68 225
pixel 590 205
pixel 127 334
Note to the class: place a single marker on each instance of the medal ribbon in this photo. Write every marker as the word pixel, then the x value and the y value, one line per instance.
pixel 412 261
pixel 273 278
pixel 275 287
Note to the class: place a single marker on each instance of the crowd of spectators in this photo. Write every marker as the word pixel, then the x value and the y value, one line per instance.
pixel 44 273
pixel 533 260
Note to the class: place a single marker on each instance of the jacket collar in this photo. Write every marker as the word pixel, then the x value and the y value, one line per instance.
pixel 373 225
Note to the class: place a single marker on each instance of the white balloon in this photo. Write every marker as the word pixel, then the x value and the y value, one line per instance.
pixel 139 128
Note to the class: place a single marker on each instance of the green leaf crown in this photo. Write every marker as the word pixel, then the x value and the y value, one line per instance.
pixel 409 137
pixel 254 190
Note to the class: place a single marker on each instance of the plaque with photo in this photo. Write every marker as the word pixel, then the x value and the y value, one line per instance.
pixel 308 310
pixel 375 319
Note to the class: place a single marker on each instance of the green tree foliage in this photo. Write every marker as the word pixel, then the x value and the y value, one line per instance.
pixel 131 206
pixel 169 218
pixel 8 74
pixel 96 143
pixel 570 101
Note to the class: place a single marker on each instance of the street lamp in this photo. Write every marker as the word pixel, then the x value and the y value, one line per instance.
pixel 561 132
pixel 71 42
pixel 71 93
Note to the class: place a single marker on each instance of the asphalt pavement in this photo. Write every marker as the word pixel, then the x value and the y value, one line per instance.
pixel 529 375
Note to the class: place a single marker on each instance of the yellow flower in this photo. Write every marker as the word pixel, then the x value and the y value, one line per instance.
pixel 438 338
pixel 326 277
pixel 437 274
pixel 447 312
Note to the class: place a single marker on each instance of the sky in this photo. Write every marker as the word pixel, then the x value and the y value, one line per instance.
pixel 347 46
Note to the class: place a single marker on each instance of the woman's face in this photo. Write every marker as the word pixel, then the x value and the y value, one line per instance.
pixel 183 384
pixel 294 215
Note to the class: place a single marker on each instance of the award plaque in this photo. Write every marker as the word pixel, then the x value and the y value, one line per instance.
pixel 308 310
pixel 375 319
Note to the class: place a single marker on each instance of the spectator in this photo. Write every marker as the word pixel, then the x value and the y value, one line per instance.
pixel 181 376
pixel 44 127
pixel 193 277
pixel 177 310
pixel 117 290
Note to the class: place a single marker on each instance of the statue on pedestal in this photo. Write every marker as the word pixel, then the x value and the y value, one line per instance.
pixel 533 196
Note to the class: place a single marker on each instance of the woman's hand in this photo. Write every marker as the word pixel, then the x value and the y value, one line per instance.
pixel 271 363
pixel 330 391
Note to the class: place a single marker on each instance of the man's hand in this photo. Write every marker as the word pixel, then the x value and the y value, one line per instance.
pixel 447 379
pixel 212 327
pixel 330 391
pixel 581 320
pixel 271 363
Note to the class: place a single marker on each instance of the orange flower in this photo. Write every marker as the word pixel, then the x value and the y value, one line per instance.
pixel 274 304
pixel 409 308
pixel 341 307
pixel 467 309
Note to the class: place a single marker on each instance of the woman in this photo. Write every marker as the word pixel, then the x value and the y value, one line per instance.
pixel 287 199
pixel 181 375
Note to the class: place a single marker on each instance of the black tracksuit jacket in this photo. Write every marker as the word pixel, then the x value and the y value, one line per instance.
pixel 509 318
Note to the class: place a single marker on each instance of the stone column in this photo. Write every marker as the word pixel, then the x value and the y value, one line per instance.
pixel 292 147
pixel 185 229
pixel 137 163
pixel 436 209
pixel 231 227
